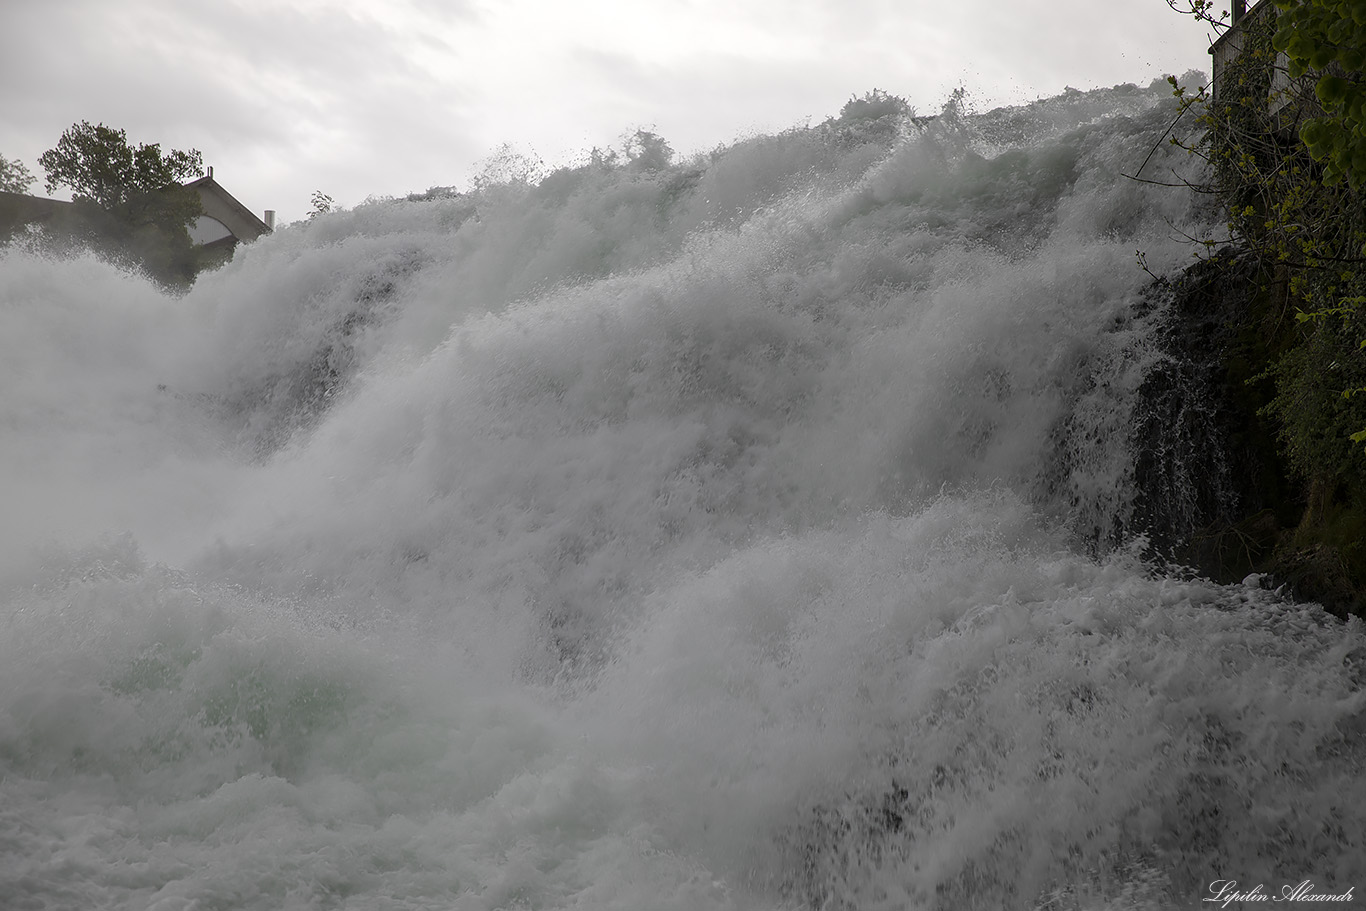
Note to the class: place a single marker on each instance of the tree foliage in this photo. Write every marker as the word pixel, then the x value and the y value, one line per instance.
pixel 647 151
pixel 129 199
pixel 1327 38
pixel 1282 130
pixel 1284 137
pixel 322 204
pixel 98 164
pixel 14 177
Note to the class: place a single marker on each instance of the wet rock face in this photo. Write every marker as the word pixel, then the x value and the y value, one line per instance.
pixel 1186 471
pixel 1214 490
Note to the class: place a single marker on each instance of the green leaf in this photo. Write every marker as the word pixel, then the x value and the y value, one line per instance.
pixel 1331 90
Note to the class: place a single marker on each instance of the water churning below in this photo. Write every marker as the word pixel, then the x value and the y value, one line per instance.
pixel 755 533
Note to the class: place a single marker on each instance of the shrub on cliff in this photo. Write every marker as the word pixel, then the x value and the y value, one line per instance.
pixel 1287 150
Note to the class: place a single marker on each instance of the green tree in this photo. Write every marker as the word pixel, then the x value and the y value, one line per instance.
pixel 1327 38
pixel 1288 159
pixel 129 199
pixel 14 177
pixel 98 164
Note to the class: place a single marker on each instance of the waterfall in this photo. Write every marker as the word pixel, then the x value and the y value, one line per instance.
pixel 757 532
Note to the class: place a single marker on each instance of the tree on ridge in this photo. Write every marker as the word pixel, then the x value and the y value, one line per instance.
pixel 129 198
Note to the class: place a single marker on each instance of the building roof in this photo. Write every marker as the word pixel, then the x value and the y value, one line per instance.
pixel 234 222
pixel 219 204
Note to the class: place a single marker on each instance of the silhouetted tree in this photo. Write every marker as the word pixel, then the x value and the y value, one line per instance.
pixel 129 199
pixel 98 164
pixel 14 177
pixel 648 151
pixel 322 204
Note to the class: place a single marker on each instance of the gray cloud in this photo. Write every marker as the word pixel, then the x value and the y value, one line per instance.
pixel 389 96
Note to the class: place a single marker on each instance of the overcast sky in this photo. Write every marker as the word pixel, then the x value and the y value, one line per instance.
pixel 384 97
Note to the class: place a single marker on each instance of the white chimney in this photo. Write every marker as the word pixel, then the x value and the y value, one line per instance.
pixel 270 219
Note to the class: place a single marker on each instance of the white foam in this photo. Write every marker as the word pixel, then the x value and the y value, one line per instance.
pixel 698 539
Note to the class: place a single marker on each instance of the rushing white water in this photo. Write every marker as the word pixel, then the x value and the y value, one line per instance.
pixel 717 537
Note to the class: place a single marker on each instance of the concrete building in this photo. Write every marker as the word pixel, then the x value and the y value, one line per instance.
pixel 224 224
pixel 1229 47
pixel 19 209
